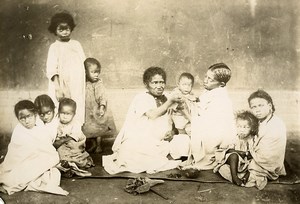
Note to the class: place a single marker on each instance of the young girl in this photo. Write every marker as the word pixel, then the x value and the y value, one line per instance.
pixel 99 121
pixel 46 110
pixel 70 141
pixel 233 165
pixel 65 69
pixel 31 158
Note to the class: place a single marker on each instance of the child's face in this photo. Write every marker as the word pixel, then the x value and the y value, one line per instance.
pixel 93 73
pixel 66 114
pixel 63 31
pixel 46 114
pixel 210 82
pixel 243 128
pixel 185 85
pixel 27 118
pixel 261 108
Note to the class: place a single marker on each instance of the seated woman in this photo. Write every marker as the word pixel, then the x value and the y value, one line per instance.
pixel 140 145
pixel 269 147
pixel 31 158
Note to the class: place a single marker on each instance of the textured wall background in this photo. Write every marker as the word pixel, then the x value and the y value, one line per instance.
pixel 258 39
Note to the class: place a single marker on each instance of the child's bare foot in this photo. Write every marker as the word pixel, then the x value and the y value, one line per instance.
pixel 98 150
pixel 237 181
pixel 246 177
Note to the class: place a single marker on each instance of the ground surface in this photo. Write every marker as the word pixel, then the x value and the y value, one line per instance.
pixel 111 190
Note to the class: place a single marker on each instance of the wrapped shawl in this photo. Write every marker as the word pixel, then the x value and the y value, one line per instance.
pixel 30 162
pixel 268 153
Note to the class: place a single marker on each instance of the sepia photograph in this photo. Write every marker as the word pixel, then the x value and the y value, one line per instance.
pixel 149 101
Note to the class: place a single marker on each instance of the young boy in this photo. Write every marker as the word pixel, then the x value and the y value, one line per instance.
pixel 213 126
pixel 181 117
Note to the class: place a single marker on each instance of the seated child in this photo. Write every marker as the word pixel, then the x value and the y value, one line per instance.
pixel 99 121
pixel 181 116
pixel 46 110
pixel 31 159
pixel 70 141
pixel 233 165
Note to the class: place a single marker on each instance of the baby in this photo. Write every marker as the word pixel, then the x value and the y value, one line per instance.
pixel 233 165
pixel 70 141
pixel 181 116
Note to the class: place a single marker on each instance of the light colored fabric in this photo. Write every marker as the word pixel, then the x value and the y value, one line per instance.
pixel 95 125
pixel 180 146
pixel 65 59
pixel 212 127
pixel 268 153
pixel 73 150
pixel 29 159
pixel 243 163
pixel 140 146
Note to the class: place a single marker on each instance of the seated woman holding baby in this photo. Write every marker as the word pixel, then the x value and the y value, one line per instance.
pixel 140 145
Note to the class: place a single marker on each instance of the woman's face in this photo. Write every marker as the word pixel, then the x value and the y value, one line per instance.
pixel 156 86
pixel 261 108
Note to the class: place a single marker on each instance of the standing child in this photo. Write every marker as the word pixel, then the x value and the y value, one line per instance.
pixel 214 125
pixel 181 116
pixel 65 69
pixel 99 121
pixel 31 158
pixel 233 165
pixel 46 110
pixel 70 141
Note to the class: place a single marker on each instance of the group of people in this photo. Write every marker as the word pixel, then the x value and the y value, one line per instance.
pixel 161 131
pixel 182 131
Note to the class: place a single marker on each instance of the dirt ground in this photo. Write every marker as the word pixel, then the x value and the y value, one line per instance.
pixel 112 190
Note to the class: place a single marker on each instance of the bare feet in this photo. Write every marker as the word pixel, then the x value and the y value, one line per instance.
pixel 237 181
pixel 246 177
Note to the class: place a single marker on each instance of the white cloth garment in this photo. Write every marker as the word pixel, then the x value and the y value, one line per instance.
pixel 65 59
pixel 212 127
pixel 140 146
pixel 30 162
pixel 268 153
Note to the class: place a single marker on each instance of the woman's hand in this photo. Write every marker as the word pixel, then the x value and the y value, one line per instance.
pixel 176 97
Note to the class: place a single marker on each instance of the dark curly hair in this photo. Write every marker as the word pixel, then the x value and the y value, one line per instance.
pixel 67 102
pixel 152 71
pixel 24 104
pixel 252 120
pixel 89 61
pixel 222 72
pixel 43 101
pixel 187 75
pixel 58 18
pixel 262 94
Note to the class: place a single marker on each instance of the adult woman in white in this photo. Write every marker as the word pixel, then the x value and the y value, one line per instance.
pixel 140 145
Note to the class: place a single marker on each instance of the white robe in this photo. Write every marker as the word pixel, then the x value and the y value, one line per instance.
pixel 268 153
pixel 65 59
pixel 212 128
pixel 140 146
pixel 30 162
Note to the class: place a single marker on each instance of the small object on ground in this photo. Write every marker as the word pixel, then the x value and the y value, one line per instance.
pixel 174 175
pixel 206 190
pixel 191 173
pixel 140 185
